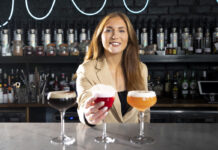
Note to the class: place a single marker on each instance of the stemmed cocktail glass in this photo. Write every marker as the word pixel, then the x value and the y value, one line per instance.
pixel 107 94
pixel 62 100
pixel 141 100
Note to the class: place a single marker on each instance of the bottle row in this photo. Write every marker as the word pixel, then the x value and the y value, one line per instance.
pixel 65 42
pixel 16 87
pixel 177 85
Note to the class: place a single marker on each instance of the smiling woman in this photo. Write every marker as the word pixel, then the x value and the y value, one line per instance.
pixel 112 59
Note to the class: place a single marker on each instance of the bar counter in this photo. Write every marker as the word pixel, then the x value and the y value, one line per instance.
pixel 36 136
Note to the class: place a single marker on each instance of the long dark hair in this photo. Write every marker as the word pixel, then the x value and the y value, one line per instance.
pixel 130 58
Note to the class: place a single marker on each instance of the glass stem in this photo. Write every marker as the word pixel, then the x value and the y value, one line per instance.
pixel 62 113
pixel 104 134
pixel 141 114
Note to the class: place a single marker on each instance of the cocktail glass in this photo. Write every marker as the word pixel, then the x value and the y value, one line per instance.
pixel 107 94
pixel 62 100
pixel 141 100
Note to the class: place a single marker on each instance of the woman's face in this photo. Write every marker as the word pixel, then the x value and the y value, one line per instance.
pixel 114 36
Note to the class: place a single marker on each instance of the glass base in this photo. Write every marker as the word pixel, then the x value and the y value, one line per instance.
pixel 63 140
pixel 141 140
pixel 106 139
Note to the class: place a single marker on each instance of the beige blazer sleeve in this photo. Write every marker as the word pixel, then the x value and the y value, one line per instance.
pixel 83 85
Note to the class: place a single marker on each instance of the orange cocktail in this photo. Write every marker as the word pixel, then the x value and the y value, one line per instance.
pixel 141 100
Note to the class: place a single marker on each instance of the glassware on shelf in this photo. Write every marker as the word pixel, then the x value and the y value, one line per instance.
pixel 104 93
pixel 62 100
pixel 28 50
pixel 141 100
pixel 63 50
pixel 51 50
pixel 40 51
pixel 73 49
pixel 17 48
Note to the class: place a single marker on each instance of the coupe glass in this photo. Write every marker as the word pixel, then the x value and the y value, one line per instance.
pixel 104 93
pixel 141 100
pixel 62 100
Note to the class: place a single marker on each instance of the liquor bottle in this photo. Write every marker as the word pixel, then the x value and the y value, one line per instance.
pixel 137 27
pixel 204 76
pixel 67 84
pixel 160 39
pixel 46 38
pixel 151 34
pixel 82 40
pixel 70 36
pixel 10 91
pixel 18 35
pixel 198 44
pixel 175 90
pixel 17 48
pixel 167 86
pixel 158 88
pixel 5 42
pixel 191 41
pixel 32 38
pixel 185 40
pixel 175 87
pixel 185 86
pixel 32 89
pixel 58 37
pixel 1 77
pixel 76 38
pixel 193 86
pixel 179 31
pixel 56 85
pixel 215 41
pixel 73 82
pixel 51 81
pixel 88 40
pixel 144 38
pixel 62 82
pixel 12 77
pixel 207 42
pixel 166 38
pixel 5 87
pixel 174 40
pixel 1 87
pixel 16 85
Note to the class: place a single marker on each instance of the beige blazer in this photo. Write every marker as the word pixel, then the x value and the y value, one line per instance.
pixel 95 72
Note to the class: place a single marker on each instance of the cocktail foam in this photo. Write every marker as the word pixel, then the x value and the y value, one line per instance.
pixel 101 90
pixel 144 94
pixel 61 94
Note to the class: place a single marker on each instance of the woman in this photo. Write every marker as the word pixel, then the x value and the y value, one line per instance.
pixel 112 59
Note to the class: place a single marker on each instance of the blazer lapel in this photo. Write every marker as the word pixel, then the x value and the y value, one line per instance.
pixel 104 76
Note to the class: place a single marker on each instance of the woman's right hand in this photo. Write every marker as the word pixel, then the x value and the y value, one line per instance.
pixel 93 113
